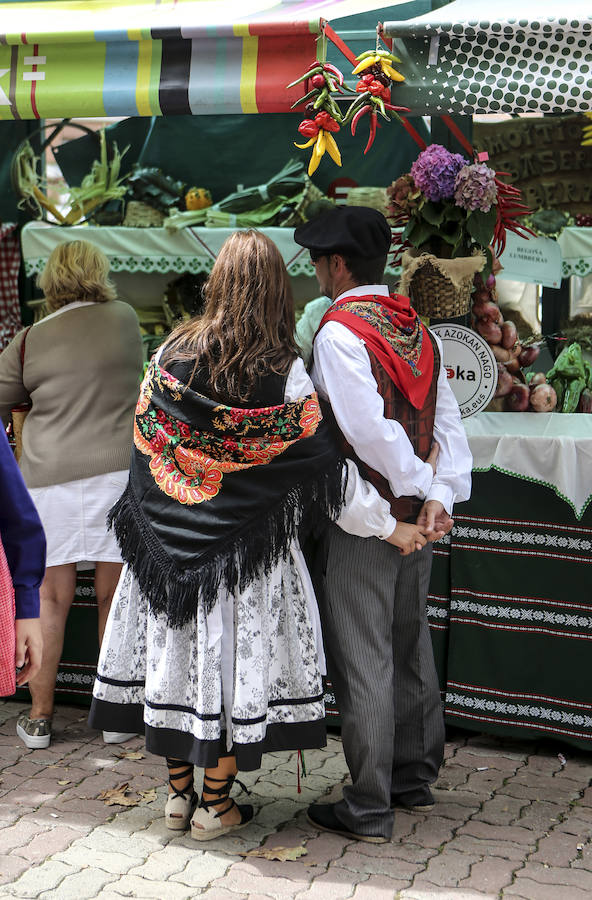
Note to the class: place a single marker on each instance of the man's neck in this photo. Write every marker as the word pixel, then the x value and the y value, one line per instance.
pixel 343 286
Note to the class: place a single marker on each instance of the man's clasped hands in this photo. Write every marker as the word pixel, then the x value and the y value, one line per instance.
pixel 433 522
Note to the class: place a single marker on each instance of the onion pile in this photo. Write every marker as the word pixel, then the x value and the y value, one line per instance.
pixel 511 356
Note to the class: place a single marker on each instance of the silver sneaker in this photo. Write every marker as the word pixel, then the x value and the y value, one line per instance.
pixel 34 733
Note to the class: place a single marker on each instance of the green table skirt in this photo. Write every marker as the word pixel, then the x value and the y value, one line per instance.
pixel 520 616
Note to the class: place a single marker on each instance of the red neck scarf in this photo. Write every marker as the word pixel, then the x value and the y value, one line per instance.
pixel 393 331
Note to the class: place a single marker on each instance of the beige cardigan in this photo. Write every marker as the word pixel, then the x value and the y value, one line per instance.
pixel 81 373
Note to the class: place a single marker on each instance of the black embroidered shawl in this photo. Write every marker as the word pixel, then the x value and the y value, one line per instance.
pixel 216 493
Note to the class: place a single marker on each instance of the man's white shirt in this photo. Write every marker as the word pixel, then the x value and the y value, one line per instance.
pixel 343 375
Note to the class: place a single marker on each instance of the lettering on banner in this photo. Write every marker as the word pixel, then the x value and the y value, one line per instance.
pixel 544 158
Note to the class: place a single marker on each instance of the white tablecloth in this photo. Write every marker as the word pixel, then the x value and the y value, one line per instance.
pixel 576 251
pixel 554 449
pixel 155 249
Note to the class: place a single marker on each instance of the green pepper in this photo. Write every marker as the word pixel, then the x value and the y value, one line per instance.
pixel 559 387
pixel 569 364
pixel 572 394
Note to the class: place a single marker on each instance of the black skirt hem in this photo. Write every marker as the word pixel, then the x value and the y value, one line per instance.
pixel 184 746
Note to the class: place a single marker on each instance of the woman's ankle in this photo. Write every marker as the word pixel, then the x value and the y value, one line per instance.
pixel 40 714
pixel 183 784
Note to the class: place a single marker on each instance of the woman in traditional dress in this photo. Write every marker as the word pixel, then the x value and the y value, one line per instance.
pixel 213 644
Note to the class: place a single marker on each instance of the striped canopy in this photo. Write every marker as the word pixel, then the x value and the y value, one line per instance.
pixel 510 56
pixel 68 58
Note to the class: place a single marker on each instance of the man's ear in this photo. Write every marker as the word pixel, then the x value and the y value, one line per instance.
pixel 338 263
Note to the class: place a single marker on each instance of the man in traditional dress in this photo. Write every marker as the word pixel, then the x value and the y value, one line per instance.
pixel 381 370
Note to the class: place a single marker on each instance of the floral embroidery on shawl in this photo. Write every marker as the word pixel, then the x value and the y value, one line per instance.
pixel 188 464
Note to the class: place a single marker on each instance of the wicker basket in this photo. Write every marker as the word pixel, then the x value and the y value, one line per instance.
pixel 374 197
pixel 439 288
pixel 140 215
pixel 434 295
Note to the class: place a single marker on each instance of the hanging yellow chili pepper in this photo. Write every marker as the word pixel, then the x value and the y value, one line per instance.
pixel 332 148
pixel 365 64
pixel 390 72
pixel 304 146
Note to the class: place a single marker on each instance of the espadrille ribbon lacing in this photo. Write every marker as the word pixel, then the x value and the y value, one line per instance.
pixel 180 803
pixel 205 823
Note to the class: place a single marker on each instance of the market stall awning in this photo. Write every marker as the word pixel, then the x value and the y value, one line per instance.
pixel 473 56
pixel 74 59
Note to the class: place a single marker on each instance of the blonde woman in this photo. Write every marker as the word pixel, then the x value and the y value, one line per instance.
pixel 79 368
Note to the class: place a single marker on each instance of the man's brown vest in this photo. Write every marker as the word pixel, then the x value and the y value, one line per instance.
pixel 419 428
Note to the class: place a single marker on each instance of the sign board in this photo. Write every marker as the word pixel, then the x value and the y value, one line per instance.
pixel 544 158
pixel 534 261
pixel 470 366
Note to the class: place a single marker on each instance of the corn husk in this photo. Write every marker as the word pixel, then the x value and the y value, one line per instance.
pixel 101 184
pixel 29 185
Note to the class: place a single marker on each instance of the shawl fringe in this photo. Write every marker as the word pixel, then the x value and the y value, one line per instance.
pixel 233 563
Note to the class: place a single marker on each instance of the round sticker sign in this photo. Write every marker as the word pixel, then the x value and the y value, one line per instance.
pixel 470 366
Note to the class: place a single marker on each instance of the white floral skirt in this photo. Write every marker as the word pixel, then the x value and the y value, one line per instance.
pixel 245 678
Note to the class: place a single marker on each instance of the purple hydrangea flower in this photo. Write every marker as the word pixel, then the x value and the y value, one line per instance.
pixel 475 187
pixel 435 170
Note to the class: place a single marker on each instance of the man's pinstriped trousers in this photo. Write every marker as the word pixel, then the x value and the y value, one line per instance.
pixel 381 663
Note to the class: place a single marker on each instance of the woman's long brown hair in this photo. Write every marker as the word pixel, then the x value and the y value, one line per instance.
pixel 247 327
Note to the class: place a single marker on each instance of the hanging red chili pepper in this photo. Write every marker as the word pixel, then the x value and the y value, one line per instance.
pixel 373 123
pixel 324 120
pixel 308 128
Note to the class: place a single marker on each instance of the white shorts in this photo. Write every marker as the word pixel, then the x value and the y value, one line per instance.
pixel 74 517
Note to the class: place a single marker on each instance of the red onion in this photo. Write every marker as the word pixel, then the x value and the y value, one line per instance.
pixel 501 354
pixel 537 378
pixel 488 312
pixel 490 281
pixel 509 335
pixel 504 381
pixel 543 398
pixel 490 331
pixel 528 356
pixel 517 399
pixel 513 365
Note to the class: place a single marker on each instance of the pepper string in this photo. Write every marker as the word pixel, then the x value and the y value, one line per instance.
pixel 349 55
pixel 322 80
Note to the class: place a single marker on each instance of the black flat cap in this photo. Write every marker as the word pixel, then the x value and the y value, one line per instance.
pixel 349 230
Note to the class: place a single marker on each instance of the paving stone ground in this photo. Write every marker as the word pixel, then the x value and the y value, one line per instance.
pixel 512 820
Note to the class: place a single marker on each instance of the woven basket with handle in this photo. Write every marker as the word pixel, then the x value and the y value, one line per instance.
pixel 434 295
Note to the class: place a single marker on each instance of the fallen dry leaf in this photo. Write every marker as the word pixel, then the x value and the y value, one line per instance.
pixel 118 796
pixel 280 853
pixel 65 781
pixel 131 754
pixel 149 796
